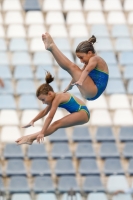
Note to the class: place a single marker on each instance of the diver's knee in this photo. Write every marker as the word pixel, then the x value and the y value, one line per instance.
pixel 56 124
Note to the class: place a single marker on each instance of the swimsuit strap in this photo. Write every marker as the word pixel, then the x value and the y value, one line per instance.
pixel 80 106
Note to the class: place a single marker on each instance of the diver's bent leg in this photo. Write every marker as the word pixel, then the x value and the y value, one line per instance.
pixel 74 119
pixel 88 89
pixel 61 59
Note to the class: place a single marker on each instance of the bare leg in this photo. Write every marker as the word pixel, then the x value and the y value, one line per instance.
pixel 74 119
pixel 88 89
pixel 77 118
pixel 61 59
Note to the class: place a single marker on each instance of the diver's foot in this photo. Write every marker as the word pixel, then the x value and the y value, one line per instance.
pixel 48 41
pixel 24 140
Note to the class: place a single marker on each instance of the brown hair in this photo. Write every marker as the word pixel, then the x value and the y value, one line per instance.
pixel 86 46
pixel 45 88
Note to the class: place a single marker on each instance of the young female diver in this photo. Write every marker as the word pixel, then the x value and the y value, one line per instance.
pixel 79 114
pixel 92 79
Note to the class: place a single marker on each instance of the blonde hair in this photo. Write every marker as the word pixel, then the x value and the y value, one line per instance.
pixel 86 46
pixel 45 88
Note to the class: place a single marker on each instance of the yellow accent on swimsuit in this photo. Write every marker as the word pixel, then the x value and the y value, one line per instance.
pixel 73 106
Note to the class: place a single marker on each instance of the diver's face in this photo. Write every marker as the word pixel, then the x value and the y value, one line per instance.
pixel 46 99
pixel 84 57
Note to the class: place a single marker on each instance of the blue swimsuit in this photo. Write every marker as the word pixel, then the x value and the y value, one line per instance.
pixel 73 106
pixel 100 79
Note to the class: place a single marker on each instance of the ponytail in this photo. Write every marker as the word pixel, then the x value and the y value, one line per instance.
pixel 92 39
pixel 48 77
pixel 45 88
pixel 86 46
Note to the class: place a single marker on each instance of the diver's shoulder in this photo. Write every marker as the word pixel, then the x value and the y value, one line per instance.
pixel 95 57
pixel 63 94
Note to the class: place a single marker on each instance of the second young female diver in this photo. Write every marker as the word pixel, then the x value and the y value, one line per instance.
pixel 92 79
pixel 79 113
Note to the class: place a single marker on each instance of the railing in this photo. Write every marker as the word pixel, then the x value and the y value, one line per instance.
pixel 2 196
pixel 71 195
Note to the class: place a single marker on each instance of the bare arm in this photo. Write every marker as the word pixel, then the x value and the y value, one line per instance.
pixel 48 119
pixel 91 65
pixel 42 113
pixel 39 116
pixel 70 86
pixel 83 67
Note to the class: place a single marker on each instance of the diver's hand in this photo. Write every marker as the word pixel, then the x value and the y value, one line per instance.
pixel 77 83
pixel 40 137
pixel 28 125
pixel 68 88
